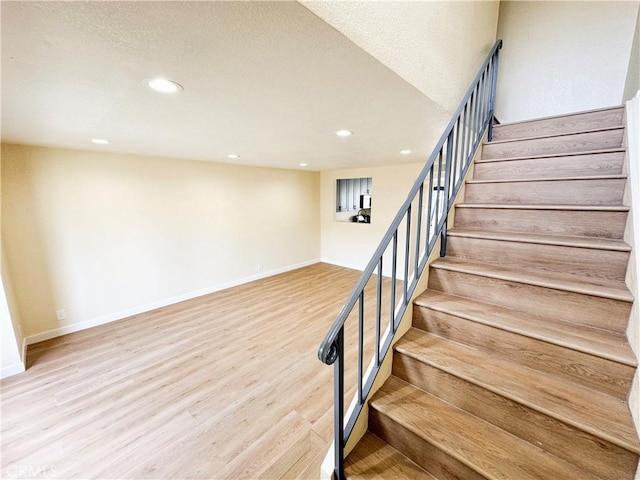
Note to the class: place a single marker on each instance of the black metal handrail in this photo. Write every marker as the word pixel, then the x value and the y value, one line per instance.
pixel 452 157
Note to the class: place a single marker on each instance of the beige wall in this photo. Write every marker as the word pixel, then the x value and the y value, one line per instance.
pixel 437 46
pixel 352 244
pixel 103 236
pixel 561 57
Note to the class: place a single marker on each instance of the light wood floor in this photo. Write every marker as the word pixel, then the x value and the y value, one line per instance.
pixel 223 386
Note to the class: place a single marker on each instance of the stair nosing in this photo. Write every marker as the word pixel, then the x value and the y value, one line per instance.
pixel 552 155
pixel 443 445
pixel 564 115
pixel 554 135
pixel 510 275
pixel 432 441
pixel 624 360
pixel 404 457
pixel 557 134
pixel 635 448
pixel 549 179
pixel 613 245
pixel 541 206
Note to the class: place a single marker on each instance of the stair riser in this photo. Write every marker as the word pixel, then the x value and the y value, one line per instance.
pixel 591 371
pixel 595 224
pixel 562 192
pixel 433 460
pixel 551 167
pixel 557 126
pixel 561 305
pixel 602 458
pixel 587 262
pixel 579 142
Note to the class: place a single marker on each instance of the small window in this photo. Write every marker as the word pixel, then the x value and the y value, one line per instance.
pixel 353 200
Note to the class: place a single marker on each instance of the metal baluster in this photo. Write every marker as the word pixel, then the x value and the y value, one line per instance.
pixel 417 258
pixel 455 157
pixel 406 257
pixel 338 406
pixel 480 119
pixel 483 101
pixel 429 207
pixel 465 129
pixel 394 262
pixel 469 125
pixel 480 107
pixel 378 312
pixel 360 345
pixel 475 118
pixel 447 181
pixel 439 196
pixel 487 94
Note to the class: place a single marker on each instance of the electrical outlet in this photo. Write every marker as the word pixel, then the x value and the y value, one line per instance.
pixel 61 314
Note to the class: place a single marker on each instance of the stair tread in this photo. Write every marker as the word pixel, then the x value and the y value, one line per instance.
pixel 483 447
pixel 562 115
pixel 551 154
pixel 541 206
pixel 556 134
pixel 545 239
pixel 558 281
pixel 594 412
pixel 373 458
pixel 594 341
pixel 549 179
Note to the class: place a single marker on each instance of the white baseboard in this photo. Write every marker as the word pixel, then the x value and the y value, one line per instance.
pixel 112 317
pixel 399 273
pixel 12 370
pixel 339 263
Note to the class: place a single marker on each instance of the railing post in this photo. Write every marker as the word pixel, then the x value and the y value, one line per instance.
pixel 338 406
pixel 494 80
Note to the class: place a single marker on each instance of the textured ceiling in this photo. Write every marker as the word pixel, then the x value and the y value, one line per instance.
pixel 269 81
pixel 437 46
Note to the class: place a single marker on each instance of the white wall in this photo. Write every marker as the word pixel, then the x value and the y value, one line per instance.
pixel 437 46
pixel 352 244
pixel 11 340
pixel 562 57
pixel 632 236
pixel 11 349
pixel 632 84
pixel 104 236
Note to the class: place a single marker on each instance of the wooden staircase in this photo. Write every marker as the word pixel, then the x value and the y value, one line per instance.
pixel 517 364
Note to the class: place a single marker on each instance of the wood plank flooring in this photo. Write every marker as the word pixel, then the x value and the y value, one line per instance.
pixel 227 385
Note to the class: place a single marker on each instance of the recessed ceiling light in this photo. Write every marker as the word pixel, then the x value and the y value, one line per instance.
pixel 344 133
pixel 303 164
pixel 233 155
pixel 163 85
pixel 405 152
pixel 100 141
